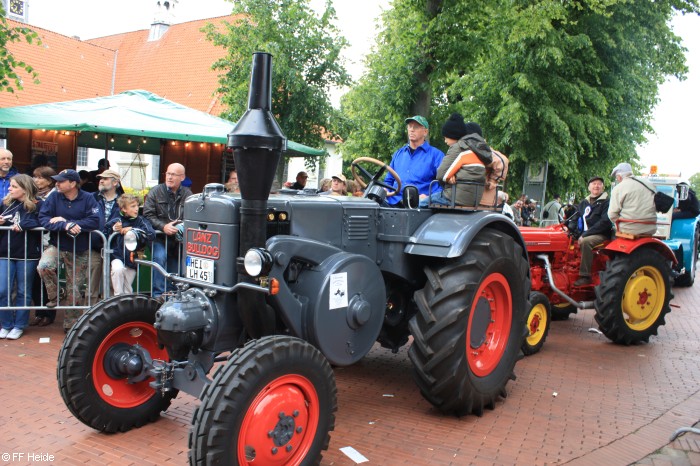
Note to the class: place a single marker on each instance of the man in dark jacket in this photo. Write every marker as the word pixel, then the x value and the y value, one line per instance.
pixel 106 198
pixel 7 171
pixel 689 207
pixel 596 226
pixel 67 213
pixel 164 207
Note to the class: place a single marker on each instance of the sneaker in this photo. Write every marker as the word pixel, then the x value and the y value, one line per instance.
pixel 583 281
pixel 14 334
pixel 51 304
pixel 4 332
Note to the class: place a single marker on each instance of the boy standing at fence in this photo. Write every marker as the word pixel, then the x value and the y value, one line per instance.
pixel 123 267
pixel 67 213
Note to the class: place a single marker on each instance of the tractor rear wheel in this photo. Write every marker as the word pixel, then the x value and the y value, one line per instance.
pixel 633 296
pixel 688 278
pixel 90 388
pixel 272 403
pixel 470 325
pixel 538 322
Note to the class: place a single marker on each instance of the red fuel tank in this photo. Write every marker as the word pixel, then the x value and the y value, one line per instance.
pixel 550 239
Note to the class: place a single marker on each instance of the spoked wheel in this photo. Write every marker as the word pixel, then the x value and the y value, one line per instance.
pixel 92 365
pixel 688 278
pixel 538 322
pixel 470 325
pixel 561 311
pixel 633 297
pixel 273 403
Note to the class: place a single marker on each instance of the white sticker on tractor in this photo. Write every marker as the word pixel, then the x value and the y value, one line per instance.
pixel 339 291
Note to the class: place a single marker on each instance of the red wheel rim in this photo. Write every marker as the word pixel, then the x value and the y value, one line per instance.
pixel 494 298
pixel 118 392
pixel 280 424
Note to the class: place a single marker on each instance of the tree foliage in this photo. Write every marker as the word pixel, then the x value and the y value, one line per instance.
pixel 573 83
pixel 694 182
pixel 9 65
pixel 306 64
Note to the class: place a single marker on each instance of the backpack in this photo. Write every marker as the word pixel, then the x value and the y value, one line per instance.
pixel 662 201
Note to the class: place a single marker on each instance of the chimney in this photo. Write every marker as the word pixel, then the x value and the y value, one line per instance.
pixel 162 19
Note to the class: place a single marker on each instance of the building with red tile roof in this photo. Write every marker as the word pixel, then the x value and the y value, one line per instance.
pixel 176 66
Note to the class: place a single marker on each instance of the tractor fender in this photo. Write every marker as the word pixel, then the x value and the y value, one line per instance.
pixel 336 302
pixel 449 234
pixel 628 246
pixel 683 231
pixel 283 249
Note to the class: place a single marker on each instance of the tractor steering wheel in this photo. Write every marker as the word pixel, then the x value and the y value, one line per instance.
pixel 374 179
pixel 571 221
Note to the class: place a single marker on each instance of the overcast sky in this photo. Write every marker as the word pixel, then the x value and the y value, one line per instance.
pixel 671 148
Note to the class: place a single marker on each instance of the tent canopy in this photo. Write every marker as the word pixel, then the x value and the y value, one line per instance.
pixel 137 114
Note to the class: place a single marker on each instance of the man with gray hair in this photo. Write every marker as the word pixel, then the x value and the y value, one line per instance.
pixel 7 171
pixel 632 202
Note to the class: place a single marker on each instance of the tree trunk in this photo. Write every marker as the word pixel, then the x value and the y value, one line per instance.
pixel 424 94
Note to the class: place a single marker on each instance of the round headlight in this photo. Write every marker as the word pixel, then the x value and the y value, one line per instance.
pixel 257 262
pixel 131 240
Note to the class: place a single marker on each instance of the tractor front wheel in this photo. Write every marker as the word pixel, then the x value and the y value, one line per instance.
pixel 538 322
pixel 93 390
pixel 470 325
pixel 633 296
pixel 272 403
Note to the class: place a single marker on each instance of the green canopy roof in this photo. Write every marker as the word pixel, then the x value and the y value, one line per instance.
pixel 137 113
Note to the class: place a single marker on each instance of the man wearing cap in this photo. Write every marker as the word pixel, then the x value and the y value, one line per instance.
pixel 595 226
pixel 106 198
pixel 632 199
pixel 417 162
pixel 67 213
pixel 338 186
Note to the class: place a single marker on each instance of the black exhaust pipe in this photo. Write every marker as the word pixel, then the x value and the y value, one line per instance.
pixel 257 142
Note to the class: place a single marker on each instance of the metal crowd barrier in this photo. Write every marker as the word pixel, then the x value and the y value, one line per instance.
pixel 104 253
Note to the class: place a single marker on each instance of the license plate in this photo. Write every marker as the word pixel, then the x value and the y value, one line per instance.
pixel 200 269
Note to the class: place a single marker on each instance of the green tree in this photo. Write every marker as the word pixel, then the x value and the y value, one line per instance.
pixel 572 83
pixel 9 65
pixel 306 49
pixel 694 182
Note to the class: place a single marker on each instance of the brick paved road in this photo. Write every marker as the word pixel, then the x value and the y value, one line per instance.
pixel 614 405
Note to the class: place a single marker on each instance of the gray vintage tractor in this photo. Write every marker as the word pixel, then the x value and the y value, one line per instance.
pixel 279 289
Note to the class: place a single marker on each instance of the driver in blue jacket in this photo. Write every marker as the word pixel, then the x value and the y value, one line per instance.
pixel 417 162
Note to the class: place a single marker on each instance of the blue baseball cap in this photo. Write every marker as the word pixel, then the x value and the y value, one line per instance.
pixel 67 175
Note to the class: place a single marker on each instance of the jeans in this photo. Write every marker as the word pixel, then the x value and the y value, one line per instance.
pixel 435 198
pixel 160 253
pixel 24 272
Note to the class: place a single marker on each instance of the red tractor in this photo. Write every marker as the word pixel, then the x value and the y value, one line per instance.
pixel 630 287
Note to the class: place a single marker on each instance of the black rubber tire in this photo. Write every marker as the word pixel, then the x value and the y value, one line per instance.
pixel 562 311
pixel 540 310
pixel 688 278
pixel 626 275
pixel 77 381
pixel 446 306
pixel 249 376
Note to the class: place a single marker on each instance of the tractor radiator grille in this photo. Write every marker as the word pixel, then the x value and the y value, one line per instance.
pixel 358 228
